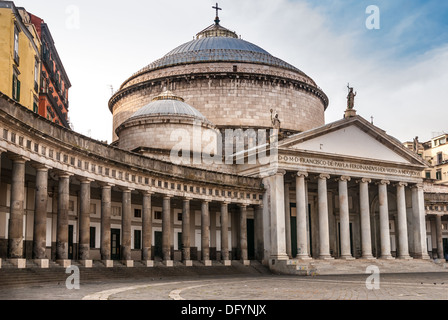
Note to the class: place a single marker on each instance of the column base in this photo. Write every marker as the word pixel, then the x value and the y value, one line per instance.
pixel 326 257
pixel 245 262
pixel 207 263
pixel 148 263
pixel 346 258
pixel 405 258
pixel 108 263
pixel 188 263
pixel 19 263
pixel 42 263
pixel 227 263
pixel 86 263
pixel 64 263
pixel 304 258
pixel 168 263
pixel 387 258
pixel 128 263
pixel 369 257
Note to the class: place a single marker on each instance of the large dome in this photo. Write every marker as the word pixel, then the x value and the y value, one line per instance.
pixel 231 82
pixel 218 49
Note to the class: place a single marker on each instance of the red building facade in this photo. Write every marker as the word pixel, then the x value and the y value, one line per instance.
pixel 55 84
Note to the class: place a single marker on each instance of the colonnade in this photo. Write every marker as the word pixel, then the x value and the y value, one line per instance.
pixel 16 236
pixel 364 185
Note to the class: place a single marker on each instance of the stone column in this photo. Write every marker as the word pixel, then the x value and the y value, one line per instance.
pixel 324 232
pixel 288 221
pixel 366 237
pixel 62 221
pixel 106 208
pixel 344 217
pixel 147 229
pixel 225 233
pixel 384 220
pixel 205 233
pixel 243 235
pixel 403 247
pixel 126 221
pixel 186 244
pixel 301 210
pixel 15 229
pixel 258 226
pixel 166 231
pixel 419 213
pixel 274 209
pixel 84 222
pixel 40 216
pixel 439 236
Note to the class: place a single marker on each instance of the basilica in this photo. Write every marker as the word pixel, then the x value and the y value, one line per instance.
pixel 220 153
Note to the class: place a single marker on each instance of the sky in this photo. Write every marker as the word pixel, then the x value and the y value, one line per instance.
pixel 394 54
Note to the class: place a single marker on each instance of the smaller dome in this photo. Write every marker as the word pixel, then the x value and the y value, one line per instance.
pixel 168 104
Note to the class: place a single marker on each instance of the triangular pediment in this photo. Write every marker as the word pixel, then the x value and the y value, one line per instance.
pixel 355 138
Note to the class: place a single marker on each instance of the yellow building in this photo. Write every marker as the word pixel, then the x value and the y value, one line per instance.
pixel 435 152
pixel 20 62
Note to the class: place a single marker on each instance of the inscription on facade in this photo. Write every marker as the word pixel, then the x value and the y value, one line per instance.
pixel 348 165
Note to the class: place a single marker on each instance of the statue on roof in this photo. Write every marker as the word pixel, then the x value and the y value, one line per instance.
pixel 276 123
pixel 351 98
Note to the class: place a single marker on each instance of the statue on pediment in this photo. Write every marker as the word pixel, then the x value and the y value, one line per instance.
pixel 276 123
pixel 351 98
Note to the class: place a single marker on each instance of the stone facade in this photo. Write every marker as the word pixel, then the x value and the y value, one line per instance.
pixel 242 99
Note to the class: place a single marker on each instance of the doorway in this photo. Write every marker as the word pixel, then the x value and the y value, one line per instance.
pixel 70 242
pixel 158 244
pixel 250 239
pixel 115 244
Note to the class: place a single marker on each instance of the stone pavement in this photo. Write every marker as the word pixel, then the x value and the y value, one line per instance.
pixel 400 286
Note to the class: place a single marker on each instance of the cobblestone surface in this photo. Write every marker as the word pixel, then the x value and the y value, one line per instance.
pixel 421 286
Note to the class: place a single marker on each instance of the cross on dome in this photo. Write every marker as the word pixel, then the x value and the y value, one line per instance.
pixel 217 13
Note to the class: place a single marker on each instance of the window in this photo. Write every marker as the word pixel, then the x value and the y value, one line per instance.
pixel 439 175
pixel 36 75
pixel 137 213
pixel 92 237
pixel 93 208
pixel 158 215
pixel 116 211
pixel 439 158
pixel 137 239
pixel 428 174
pixel 179 217
pixel 15 87
pixel 71 205
pixel 16 45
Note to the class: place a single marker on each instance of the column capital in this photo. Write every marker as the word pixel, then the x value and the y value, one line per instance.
pixel 417 186
pixel 383 182
pixel 18 158
pixel 344 178
pixel 364 180
pixel 185 199
pixel 105 185
pixel 401 184
pixel 126 189
pixel 323 176
pixel 84 180
pixel 63 174
pixel 41 167
pixel 302 174
pixel 167 196
pixel 226 203
pixel 206 200
pixel 243 205
pixel 146 192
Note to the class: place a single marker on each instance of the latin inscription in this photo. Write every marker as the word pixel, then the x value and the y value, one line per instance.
pixel 348 165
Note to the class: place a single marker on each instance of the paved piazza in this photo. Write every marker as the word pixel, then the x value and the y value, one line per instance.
pixel 422 286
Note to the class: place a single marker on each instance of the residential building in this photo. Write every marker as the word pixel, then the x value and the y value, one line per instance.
pixel 20 61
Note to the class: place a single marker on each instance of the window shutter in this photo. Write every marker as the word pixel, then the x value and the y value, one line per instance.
pixel 18 90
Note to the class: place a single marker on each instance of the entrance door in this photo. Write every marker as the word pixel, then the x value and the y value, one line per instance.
pixel 250 239
pixel 70 242
pixel 293 232
pixel 445 248
pixel 158 244
pixel 115 244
